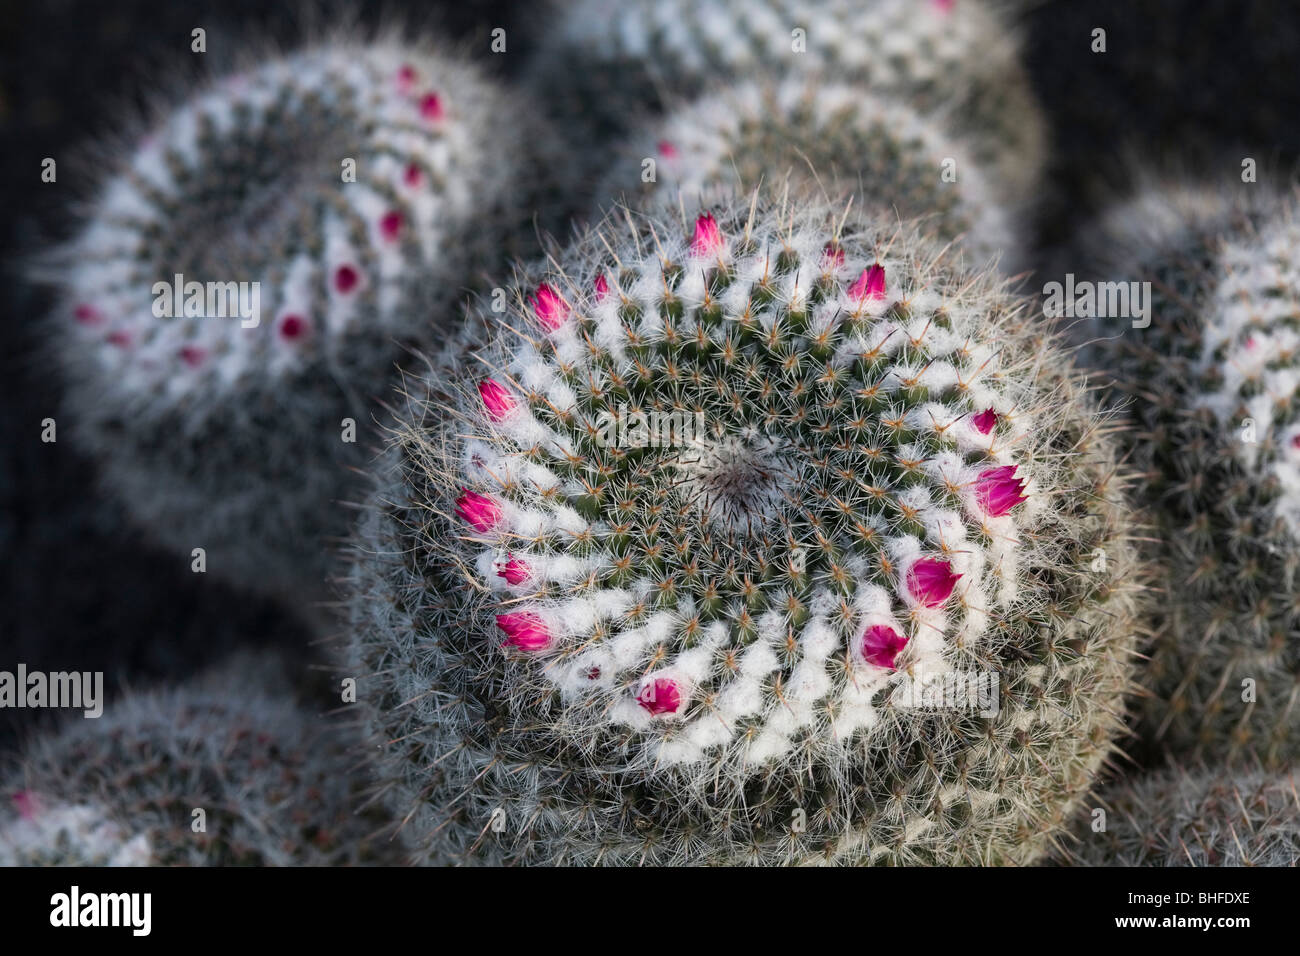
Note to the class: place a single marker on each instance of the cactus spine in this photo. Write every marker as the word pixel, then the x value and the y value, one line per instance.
pixel 274 784
pixel 1203 817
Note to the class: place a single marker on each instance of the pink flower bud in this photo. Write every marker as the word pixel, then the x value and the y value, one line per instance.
pixel 496 399
pixel 601 286
pixel 550 307
pixel 480 511
pixel 431 107
pixel 667 149
pixel 660 696
pixel 390 225
pixel 984 421
pixel 514 571
pixel 192 355
pixel 881 645
pixel 832 256
pixel 346 278
pixel 524 630
pixel 293 327
pixel 869 285
pixel 998 490
pixel 931 581
pixel 406 77
pixel 708 236
pixel 26 803
pixel 88 315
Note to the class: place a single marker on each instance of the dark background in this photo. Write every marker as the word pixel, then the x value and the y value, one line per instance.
pixel 1197 83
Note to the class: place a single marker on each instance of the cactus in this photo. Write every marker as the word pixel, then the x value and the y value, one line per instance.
pixel 357 189
pixel 1214 385
pixel 604 64
pixel 274 784
pixel 579 637
pixel 1206 817
pixel 845 140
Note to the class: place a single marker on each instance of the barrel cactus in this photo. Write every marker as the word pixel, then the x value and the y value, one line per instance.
pixel 844 140
pixel 1214 385
pixel 604 64
pixel 274 784
pixel 246 279
pixel 680 564
pixel 1202 817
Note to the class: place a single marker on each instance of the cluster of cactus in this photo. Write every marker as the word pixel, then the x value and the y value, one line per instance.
pixel 1214 386
pixel 715 633
pixel 235 302
pixel 762 523
pixel 1203 818
pixel 608 63
pixel 227 770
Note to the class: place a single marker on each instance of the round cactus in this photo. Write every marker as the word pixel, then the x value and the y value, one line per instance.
pixel 604 63
pixel 844 140
pixel 671 578
pixel 274 784
pixel 1200 818
pixel 1214 384
pixel 247 278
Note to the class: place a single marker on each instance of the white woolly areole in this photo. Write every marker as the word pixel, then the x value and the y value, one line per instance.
pixel 64 833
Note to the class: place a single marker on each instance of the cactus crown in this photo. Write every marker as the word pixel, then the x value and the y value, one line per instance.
pixel 721 488
pixel 330 178
pixel 825 472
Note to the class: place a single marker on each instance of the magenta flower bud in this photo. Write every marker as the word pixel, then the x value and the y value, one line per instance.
pixel 524 630
pixel 984 421
pixel 390 225
pixel 496 399
pixel 832 256
pixel 550 307
pixel 869 285
pixel 431 107
pixel 881 645
pixel 708 236
pixel 667 149
pixel 481 512
pixel 931 581
pixel 998 490
pixel 514 571
pixel 88 315
pixel 26 804
pixel 601 286
pixel 660 696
